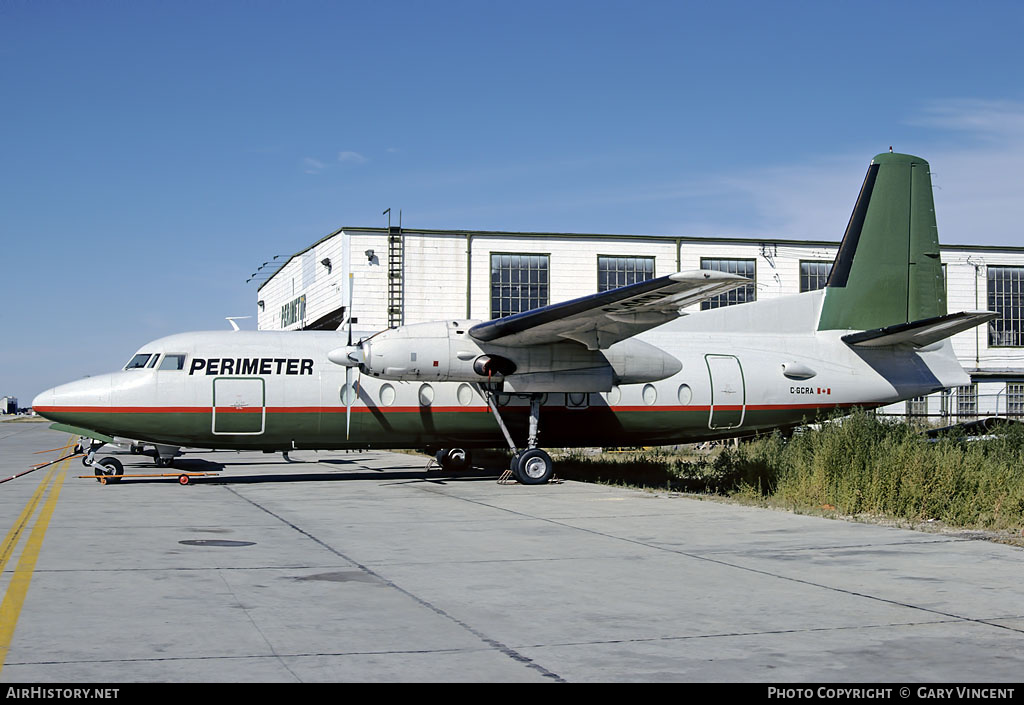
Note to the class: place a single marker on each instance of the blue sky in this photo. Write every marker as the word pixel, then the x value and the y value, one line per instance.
pixel 155 154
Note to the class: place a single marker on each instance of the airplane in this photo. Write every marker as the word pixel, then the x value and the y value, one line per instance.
pixel 627 367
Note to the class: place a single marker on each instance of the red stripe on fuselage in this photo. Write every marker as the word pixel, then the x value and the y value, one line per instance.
pixel 416 409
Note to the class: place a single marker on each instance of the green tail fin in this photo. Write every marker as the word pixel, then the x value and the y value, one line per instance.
pixel 888 269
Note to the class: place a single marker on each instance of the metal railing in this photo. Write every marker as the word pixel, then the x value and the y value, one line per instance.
pixel 954 408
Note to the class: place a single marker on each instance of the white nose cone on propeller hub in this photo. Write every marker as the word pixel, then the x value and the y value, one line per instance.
pixel 348 356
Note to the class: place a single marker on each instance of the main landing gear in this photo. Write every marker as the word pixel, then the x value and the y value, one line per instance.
pixel 532 466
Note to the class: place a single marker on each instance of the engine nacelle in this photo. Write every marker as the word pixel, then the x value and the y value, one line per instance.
pixel 444 351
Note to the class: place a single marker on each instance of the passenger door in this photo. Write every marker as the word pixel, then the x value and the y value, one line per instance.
pixel 728 392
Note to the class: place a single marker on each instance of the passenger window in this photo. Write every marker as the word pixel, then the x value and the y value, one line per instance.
pixel 137 362
pixel 173 362
pixel 152 363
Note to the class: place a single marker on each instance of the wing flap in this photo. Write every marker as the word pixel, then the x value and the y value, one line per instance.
pixel 600 320
pixel 920 333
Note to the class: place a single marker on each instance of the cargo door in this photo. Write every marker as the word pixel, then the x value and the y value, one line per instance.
pixel 728 393
pixel 239 406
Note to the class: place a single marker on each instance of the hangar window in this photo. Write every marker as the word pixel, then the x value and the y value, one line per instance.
pixel 917 408
pixel 1015 400
pixel 518 283
pixel 814 275
pixel 138 362
pixel 173 362
pixel 613 272
pixel 1006 297
pixel 743 267
pixel 967 402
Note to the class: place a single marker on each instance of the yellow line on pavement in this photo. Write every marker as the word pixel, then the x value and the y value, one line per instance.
pixel 17 589
pixel 14 535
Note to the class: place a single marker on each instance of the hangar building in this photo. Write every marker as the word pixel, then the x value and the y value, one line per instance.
pixel 409 276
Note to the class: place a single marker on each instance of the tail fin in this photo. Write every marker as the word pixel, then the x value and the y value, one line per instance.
pixel 888 269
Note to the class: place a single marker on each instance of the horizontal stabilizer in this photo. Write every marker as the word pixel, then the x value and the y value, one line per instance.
pixel 920 333
pixel 598 321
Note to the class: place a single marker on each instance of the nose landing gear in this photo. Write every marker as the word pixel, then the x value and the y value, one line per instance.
pixel 89 447
pixel 108 470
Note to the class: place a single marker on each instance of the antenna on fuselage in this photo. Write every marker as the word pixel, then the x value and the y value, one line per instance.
pixel 232 319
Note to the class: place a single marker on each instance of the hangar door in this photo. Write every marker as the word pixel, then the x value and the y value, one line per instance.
pixel 728 392
pixel 239 406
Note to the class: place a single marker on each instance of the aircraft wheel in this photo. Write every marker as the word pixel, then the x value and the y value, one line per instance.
pixel 111 468
pixel 513 465
pixel 135 449
pixel 535 467
pixel 85 461
pixel 454 459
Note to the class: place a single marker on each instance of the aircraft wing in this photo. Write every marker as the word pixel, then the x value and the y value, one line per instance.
pixel 600 320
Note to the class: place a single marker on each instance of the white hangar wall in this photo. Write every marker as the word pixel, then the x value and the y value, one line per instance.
pixel 447 274
pixel 440 268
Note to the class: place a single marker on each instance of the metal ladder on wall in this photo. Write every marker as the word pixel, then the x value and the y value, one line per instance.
pixel 396 252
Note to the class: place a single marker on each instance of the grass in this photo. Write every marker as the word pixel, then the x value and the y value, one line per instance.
pixel 859 466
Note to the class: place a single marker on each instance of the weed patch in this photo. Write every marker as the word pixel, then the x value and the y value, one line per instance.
pixel 859 464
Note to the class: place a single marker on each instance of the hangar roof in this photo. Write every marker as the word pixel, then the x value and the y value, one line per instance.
pixel 613 236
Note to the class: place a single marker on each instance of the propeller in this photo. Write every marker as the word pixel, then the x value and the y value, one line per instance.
pixel 349 392
pixel 349 356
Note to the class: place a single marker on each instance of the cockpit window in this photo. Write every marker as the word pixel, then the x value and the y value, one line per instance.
pixel 137 362
pixel 152 363
pixel 173 362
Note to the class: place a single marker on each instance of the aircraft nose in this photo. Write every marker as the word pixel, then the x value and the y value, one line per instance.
pixel 43 402
pixel 74 402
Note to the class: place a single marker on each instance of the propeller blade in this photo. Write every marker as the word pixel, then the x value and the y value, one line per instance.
pixel 348 401
pixel 351 284
pixel 349 392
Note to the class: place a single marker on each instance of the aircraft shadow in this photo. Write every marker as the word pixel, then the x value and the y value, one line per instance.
pixel 362 475
pixel 357 476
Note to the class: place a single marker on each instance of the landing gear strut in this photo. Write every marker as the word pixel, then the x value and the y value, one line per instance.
pixel 89 447
pixel 532 466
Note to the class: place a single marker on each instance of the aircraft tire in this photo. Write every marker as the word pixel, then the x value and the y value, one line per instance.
pixel 454 459
pixel 533 467
pixel 111 467
pixel 513 465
